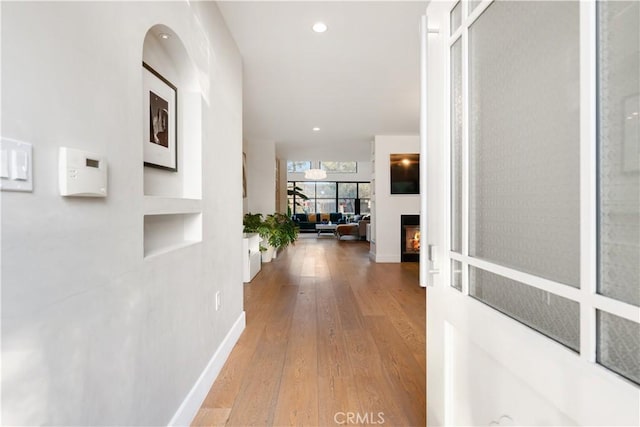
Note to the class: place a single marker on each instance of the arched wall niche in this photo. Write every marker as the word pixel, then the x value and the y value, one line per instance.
pixel 172 200
pixel 169 57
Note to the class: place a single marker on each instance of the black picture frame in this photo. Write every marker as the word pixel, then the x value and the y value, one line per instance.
pixel 404 171
pixel 160 100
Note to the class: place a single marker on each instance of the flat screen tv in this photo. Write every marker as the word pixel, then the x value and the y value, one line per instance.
pixel 405 173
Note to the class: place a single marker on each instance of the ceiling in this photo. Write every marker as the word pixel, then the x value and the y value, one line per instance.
pixel 358 79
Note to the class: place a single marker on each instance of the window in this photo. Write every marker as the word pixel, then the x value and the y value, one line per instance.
pixel 524 134
pixel 309 190
pixel 364 198
pixel 348 198
pixel 326 197
pixel 554 316
pixel 456 275
pixel 364 190
pixel 619 345
pixel 619 163
pixel 618 342
pixel 339 167
pixel 456 17
pixel 524 171
pixel 473 4
pixel 290 198
pixel 456 146
pixel 347 195
pixel 293 166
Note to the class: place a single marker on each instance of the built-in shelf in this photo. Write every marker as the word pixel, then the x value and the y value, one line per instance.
pixel 154 205
pixel 172 200
pixel 170 248
pixel 168 232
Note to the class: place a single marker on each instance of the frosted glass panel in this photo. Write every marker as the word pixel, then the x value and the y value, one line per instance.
pixel 456 146
pixel 524 203
pixel 556 317
pixel 472 5
pixel 456 274
pixel 456 17
pixel 619 345
pixel 619 153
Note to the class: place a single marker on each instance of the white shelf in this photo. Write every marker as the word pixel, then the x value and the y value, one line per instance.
pixel 154 205
pixel 172 200
pixel 152 253
pixel 167 232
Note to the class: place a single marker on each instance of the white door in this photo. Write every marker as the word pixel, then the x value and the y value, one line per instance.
pixel 532 213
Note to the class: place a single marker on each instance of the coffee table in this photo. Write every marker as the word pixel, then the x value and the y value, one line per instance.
pixel 326 229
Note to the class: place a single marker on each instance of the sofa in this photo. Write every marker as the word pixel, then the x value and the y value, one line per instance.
pixel 350 229
pixel 362 227
pixel 307 222
pixel 357 227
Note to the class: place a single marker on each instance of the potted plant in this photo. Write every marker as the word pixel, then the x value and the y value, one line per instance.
pixel 253 223
pixel 297 192
pixel 283 230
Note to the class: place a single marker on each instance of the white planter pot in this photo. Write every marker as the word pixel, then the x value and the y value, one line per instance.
pixel 267 255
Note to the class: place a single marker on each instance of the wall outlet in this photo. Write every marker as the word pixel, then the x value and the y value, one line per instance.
pixel 218 301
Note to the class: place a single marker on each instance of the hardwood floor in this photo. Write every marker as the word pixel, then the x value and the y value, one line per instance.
pixel 331 339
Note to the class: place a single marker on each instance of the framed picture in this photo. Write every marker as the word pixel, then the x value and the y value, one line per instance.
pixel 160 123
pixel 405 173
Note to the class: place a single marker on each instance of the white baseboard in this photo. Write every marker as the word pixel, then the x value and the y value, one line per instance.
pixel 387 258
pixel 192 403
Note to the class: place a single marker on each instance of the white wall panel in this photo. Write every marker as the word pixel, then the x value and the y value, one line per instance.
pixel 92 333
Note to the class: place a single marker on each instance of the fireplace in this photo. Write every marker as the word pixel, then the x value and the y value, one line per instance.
pixel 409 238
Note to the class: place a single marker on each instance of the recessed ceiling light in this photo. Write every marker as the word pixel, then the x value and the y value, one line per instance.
pixel 316 129
pixel 319 27
pixel 164 36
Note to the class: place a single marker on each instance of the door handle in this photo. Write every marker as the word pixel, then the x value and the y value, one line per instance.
pixel 431 256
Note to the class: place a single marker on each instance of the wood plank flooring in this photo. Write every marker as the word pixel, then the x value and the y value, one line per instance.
pixel 331 339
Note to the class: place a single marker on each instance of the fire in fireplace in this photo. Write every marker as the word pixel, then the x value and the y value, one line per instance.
pixel 413 239
pixel 410 238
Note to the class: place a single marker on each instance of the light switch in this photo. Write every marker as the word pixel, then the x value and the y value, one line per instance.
pixel 19 165
pixel 16 165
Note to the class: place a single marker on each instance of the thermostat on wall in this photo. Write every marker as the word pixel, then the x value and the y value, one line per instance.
pixel 81 173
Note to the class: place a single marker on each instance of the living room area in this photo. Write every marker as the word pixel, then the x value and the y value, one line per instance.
pixel 352 198
pixel 330 197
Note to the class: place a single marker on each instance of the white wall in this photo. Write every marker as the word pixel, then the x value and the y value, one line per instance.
pixel 389 207
pixel 261 176
pixel 282 200
pixel 92 333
